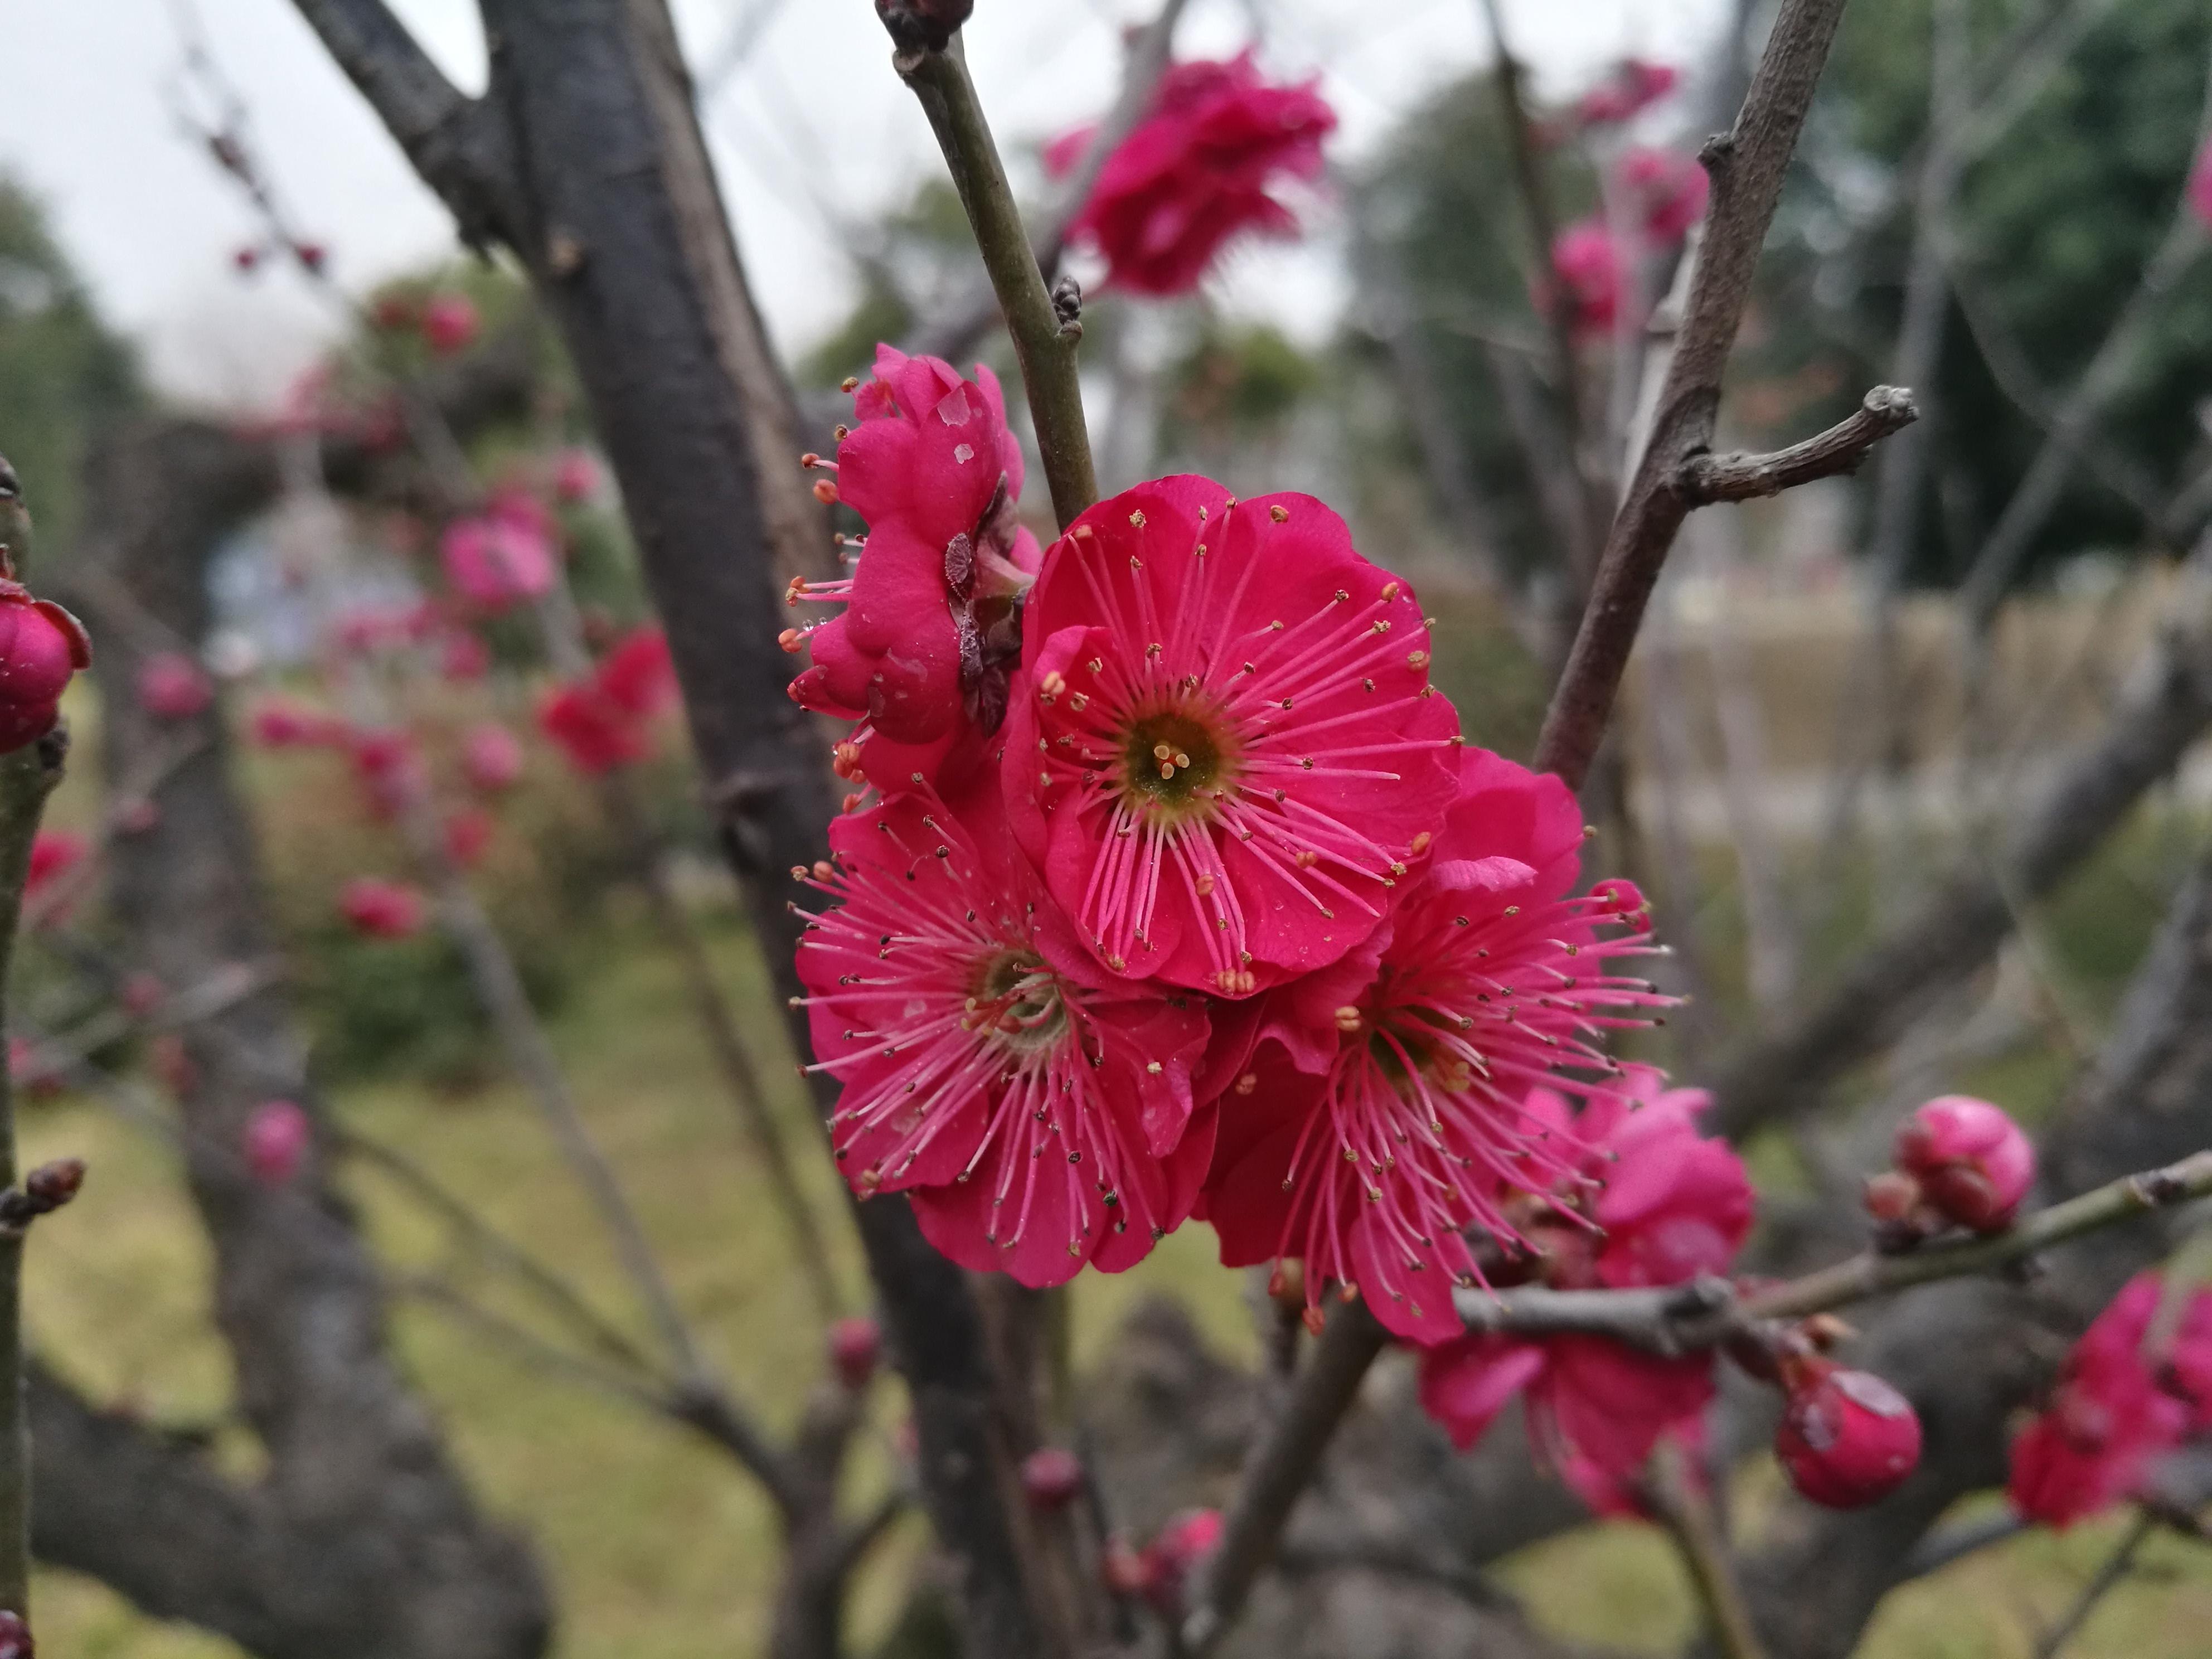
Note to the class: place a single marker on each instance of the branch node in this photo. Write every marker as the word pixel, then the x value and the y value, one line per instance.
pixel 45 1190
pixel 1067 307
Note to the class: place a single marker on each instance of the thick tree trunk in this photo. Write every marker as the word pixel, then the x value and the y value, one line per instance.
pixel 585 157
pixel 360 1542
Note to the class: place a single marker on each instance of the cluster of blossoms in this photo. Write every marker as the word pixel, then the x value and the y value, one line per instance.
pixel 2135 1390
pixel 1170 888
pixel 505 555
pixel 1200 169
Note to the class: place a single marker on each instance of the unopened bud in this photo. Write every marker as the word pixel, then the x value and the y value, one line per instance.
pixel 1974 1164
pixel 916 24
pixel 1051 1478
pixel 52 1185
pixel 1847 1438
pixel 276 1140
pixel 16 1637
pixel 856 1346
pixel 1891 1196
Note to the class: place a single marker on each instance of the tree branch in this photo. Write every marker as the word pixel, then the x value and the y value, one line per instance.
pixel 1044 342
pixel 1705 479
pixel 1687 1514
pixel 28 776
pixel 1747 165
pixel 954 335
pixel 1281 1464
pixel 1680 1318
pixel 454 146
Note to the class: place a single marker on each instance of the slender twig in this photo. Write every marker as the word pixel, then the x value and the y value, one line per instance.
pixel 1392 1560
pixel 1583 520
pixel 26 777
pixel 2116 1566
pixel 1677 1319
pixel 1747 167
pixel 954 333
pixel 1282 1463
pixel 1687 1514
pixel 1705 479
pixel 1938 1550
pixel 1044 339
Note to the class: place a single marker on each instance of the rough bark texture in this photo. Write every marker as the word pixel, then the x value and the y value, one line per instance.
pixel 360 1542
pixel 588 163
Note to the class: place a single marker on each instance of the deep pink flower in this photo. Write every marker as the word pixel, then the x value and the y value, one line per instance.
pixel 1230 751
pixel 925 639
pixel 1196 172
pixel 1392 1100
pixel 856 1347
pixel 575 476
pixel 2119 1405
pixel 1669 1206
pixel 1037 1111
pixel 172 687
pixel 594 732
pixel 448 322
pixel 1973 1164
pixel 1846 1439
pixel 1636 86
pixel 2200 185
pixel 1586 276
pixel 376 908
pixel 276 1137
pixel 637 676
pixel 503 555
pixel 280 723
pixel 491 757
pixel 54 854
pixel 41 645
pixel 1666 192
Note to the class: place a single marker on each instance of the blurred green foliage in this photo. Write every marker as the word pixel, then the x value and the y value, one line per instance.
pixel 61 374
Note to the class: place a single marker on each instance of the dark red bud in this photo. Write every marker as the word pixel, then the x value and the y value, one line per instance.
pixel 1891 1196
pixel 856 1346
pixel 52 1185
pixel 915 24
pixel 16 1637
pixel 1052 1477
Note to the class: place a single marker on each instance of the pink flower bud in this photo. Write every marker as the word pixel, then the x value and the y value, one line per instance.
pixel 280 723
pixel 171 687
pixel 2200 185
pixel 381 909
pixel 1051 1477
pixel 1847 1437
pixel 28 1072
pixel 855 1347
pixel 54 854
pixel 491 757
pixel 1173 1559
pixel 1586 276
pixel 16 1637
pixel 1124 1568
pixel 41 645
pixel 464 657
pixel 246 259
pixel 312 255
pixel 575 476
pixel 276 1136
pixel 448 322
pixel 1973 1162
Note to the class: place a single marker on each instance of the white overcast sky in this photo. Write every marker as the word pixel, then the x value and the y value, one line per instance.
pixel 815 115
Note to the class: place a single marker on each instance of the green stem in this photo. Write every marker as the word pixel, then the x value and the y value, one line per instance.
pixel 26 777
pixel 1043 345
